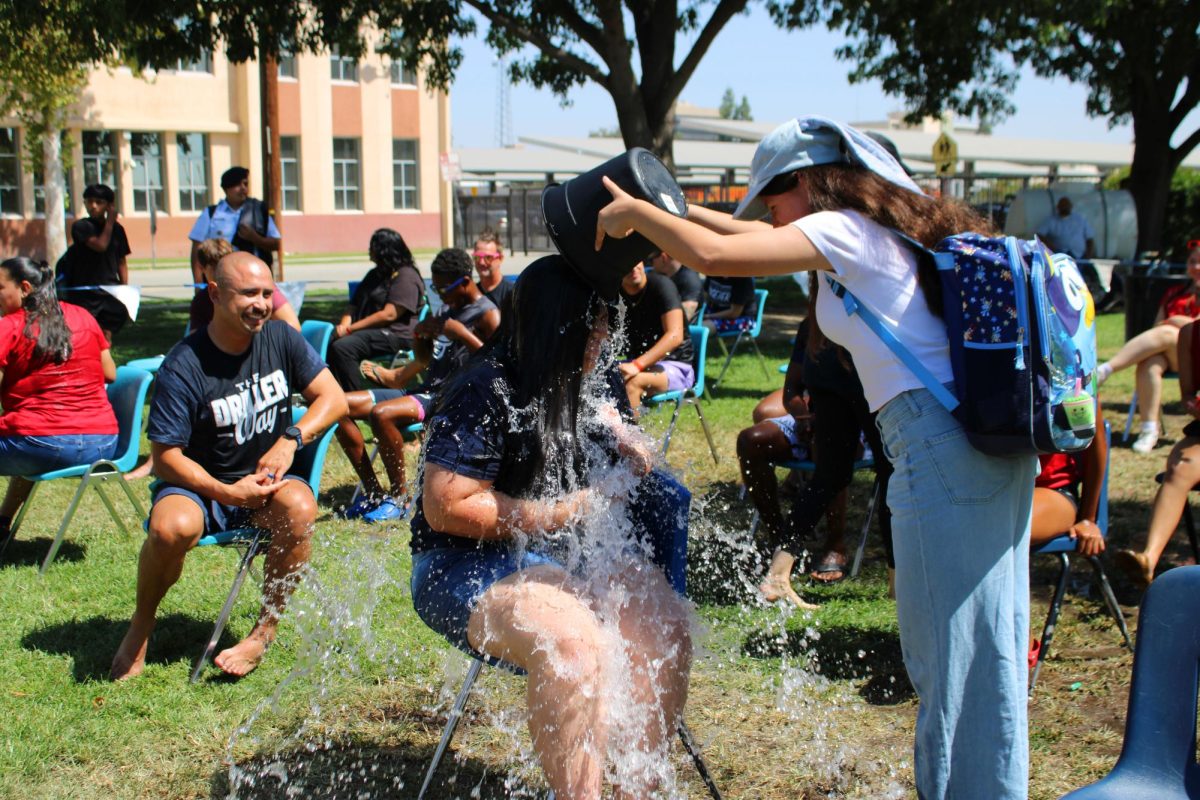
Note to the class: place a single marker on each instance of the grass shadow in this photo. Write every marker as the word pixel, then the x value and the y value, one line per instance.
pixel 31 552
pixel 92 642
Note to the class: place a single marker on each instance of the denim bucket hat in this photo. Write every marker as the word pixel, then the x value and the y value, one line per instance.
pixel 811 141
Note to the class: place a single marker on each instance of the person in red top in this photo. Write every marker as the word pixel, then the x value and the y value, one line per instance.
pixel 54 361
pixel 1066 497
pixel 1155 350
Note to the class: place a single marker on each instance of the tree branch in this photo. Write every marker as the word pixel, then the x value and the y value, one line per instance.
pixel 1178 154
pixel 721 15
pixel 1187 102
pixel 540 41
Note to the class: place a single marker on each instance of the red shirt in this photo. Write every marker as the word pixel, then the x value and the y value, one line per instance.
pixel 1180 302
pixel 48 399
pixel 1059 471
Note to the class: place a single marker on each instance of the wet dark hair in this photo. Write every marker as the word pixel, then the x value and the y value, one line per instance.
pixel 452 262
pixel 544 329
pixel 41 309
pixel 100 192
pixel 389 251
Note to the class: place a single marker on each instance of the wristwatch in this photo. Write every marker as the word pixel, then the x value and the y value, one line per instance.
pixel 292 432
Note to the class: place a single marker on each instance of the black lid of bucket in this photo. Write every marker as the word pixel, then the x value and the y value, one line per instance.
pixel 570 210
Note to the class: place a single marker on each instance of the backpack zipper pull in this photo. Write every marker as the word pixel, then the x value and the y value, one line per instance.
pixel 1020 365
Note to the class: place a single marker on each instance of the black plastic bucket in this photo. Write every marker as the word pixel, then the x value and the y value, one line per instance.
pixel 570 210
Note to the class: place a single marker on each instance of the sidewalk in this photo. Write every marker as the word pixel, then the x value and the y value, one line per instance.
pixel 175 283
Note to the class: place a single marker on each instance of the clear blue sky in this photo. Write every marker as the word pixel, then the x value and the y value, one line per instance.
pixel 782 74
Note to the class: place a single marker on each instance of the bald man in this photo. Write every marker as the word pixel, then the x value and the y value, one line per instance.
pixel 223 442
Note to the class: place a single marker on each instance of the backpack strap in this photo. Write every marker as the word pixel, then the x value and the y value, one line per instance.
pixel 853 306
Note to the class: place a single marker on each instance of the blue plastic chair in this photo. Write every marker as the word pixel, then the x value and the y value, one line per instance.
pixel 309 463
pixel 699 336
pixel 1062 546
pixel 760 297
pixel 127 395
pixel 659 521
pixel 1158 759
pixel 317 334
pixel 152 364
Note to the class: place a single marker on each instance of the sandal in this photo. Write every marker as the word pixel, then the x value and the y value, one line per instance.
pixel 831 564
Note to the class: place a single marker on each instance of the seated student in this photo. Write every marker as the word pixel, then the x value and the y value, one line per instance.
pixel 504 495
pixel 729 304
pixel 382 313
pixel 97 257
pixel 656 338
pixel 54 361
pixel 1183 470
pixel 223 441
pixel 489 255
pixel 687 282
pixel 466 320
pixel 1067 496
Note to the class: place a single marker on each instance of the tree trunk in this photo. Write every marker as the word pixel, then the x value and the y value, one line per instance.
pixel 52 179
pixel 1150 179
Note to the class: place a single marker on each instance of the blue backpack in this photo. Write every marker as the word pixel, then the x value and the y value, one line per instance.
pixel 1021 325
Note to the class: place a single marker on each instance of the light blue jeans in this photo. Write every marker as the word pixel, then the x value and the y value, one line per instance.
pixel 960 521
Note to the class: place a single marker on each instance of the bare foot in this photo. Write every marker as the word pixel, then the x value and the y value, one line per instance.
pixel 776 587
pixel 243 657
pixel 131 656
pixel 1135 566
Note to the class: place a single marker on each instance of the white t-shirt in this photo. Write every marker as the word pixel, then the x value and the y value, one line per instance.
pixel 881 272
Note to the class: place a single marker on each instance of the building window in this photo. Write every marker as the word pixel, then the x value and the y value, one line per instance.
pixel 342 68
pixel 289 161
pixel 193 170
pixel 202 63
pixel 404 174
pixel 146 150
pixel 100 159
pixel 287 64
pixel 10 172
pixel 345 175
pixel 39 188
pixel 402 76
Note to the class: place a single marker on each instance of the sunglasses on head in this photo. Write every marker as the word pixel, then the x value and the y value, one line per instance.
pixel 451 287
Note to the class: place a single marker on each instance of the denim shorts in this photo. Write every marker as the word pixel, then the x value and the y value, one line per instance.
pixel 32 455
pixel 218 517
pixel 447 582
pixel 787 426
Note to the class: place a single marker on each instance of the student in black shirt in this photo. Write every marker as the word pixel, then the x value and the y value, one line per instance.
pixel 97 257
pixel 687 282
pixel 657 341
pixel 223 442
pixel 729 304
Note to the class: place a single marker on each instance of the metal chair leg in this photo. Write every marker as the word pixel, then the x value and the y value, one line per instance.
pixel 137 504
pixel 762 362
pixel 1110 599
pixel 712 448
pixel 728 356
pixel 62 529
pixel 16 523
pixel 689 744
pixel 862 541
pixel 1051 617
pixel 112 510
pixel 671 427
pixel 227 609
pixel 456 712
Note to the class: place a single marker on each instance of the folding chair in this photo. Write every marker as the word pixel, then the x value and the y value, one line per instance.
pixel 1158 758
pixel 809 467
pixel 1062 545
pixel 668 542
pixel 760 297
pixel 309 463
pixel 317 334
pixel 127 395
pixel 699 335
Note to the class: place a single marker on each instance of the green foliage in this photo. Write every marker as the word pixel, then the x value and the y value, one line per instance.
pixel 731 109
pixel 1183 213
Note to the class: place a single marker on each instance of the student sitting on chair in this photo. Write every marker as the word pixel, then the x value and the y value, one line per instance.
pixel 54 362
pixel 1183 470
pixel 505 493
pixel 729 304
pixel 656 338
pixel 466 320
pixel 223 441
pixel 1067 497
pixel 689 285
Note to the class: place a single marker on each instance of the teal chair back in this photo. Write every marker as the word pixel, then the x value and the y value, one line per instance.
pixel 699 337
pixel 127 396
pixel 760 296
pixel 310 461
pixel 317 334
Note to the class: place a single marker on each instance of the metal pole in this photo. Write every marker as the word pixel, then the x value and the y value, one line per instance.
pixel 272 172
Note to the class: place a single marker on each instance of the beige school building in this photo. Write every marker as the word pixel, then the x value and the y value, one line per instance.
pixel 360 146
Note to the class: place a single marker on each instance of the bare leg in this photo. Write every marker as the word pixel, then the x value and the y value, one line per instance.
pixel 14 496
pixel 758 448
pixel 289 516
pixel 770 406
pixel 351 440
pixel 1149 386
pixel 1183 472
pixel 650 382
pixel 833 549
pixel 1053 515
pixel 175 525
pixel 387 419
pixel 538 620
pixel 1154 341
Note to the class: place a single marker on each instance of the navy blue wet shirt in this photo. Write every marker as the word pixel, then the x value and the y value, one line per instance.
pixel 226 411
pixel 472 432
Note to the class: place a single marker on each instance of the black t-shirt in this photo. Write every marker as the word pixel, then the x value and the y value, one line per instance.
pixel 473 431
pixel 450 354
pixel 83 266
pixel 721 293
pixel 226 411
pixel 689 284
pixel 503 289
pixel 405 290
pixel 643 318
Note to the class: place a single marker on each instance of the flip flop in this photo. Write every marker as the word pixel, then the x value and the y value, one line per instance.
pixel 828 566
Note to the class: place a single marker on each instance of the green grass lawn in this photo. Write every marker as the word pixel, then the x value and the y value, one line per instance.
pixel 351 701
